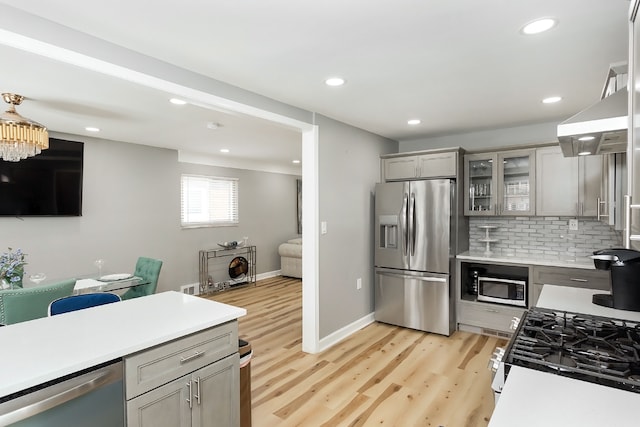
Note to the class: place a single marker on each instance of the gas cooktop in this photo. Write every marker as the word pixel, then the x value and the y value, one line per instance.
pixel 589 348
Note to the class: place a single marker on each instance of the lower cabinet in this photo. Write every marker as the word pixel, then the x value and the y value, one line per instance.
pixel 206 397
pixel 496 318
pixel 565 276
pixel 485 317
pixel 190 381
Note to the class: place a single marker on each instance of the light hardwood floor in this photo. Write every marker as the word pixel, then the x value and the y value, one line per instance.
pixel 381 375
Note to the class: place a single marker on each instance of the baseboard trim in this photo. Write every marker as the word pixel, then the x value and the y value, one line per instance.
pixel 337 336
pixel 260 276
pixel 267 275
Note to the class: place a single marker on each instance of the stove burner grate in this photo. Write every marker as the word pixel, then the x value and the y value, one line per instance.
pixel 589 348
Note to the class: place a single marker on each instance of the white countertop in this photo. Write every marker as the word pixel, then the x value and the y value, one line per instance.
pixel 44 349
pixel 533 398
pixel 578 300
pixel 528 259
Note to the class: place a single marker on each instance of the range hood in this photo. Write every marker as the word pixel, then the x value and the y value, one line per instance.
pixel 607 122
pixel 602 127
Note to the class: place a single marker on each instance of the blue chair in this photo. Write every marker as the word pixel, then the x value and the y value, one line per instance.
pixel 80 302
pixel 19 305
pixel 149 270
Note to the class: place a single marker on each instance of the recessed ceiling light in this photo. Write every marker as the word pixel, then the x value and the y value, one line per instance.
pixel 552 100
pixel 296 161
pixel 92 129
pixel 177 101
pixel 539 26
pixel 413 122
pixel 584 153
pixel 586 138
pixel 224 150
pixel 335 81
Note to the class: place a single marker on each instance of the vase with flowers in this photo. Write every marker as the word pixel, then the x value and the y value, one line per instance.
pixel 12 269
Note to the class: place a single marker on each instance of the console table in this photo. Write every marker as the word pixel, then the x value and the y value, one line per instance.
pixel 220 255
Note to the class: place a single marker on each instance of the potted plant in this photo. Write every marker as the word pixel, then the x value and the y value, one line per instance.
pixel 12 269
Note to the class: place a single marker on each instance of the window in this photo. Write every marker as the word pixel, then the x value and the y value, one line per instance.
pixel 208 201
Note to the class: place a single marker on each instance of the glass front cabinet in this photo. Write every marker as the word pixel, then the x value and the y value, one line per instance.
pixel 500 183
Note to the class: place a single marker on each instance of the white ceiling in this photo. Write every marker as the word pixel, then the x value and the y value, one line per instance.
pixel 459 66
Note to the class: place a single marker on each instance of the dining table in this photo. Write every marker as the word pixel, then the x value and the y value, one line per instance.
pixel 94 283
pixel 108 283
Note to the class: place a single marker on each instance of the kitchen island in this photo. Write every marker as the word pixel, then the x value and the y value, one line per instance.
pixel 534 398
pixel 43 350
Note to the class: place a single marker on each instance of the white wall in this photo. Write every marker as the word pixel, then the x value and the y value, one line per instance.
pixel 131 208
pixel 349 168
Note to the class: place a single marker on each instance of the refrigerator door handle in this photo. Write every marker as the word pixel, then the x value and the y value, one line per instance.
pixel 403 223
pixel 412 224
pixel 421 278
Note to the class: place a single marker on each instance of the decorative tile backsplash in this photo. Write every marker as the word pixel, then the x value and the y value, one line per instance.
pixel 543 235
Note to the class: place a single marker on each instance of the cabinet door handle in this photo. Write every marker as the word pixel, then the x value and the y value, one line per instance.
pixel 600 214
pixel 189 398
pixel 193 356
pixel 578 280
pixel 197 393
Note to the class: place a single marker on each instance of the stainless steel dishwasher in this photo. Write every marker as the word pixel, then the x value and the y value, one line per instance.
pixel 92 397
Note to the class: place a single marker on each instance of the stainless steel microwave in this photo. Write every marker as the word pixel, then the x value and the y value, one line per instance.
pixel 502 291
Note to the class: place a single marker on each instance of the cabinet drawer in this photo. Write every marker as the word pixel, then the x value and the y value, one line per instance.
pixel 574 277
pixel 489 316
pixel 159 365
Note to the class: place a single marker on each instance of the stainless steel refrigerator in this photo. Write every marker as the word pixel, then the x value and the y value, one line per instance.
pixel 415 239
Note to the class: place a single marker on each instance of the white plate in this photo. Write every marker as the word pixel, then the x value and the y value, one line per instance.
pixel 112 277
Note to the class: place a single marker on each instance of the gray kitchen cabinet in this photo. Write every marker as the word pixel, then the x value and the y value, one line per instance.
pixel 613 190
pixel 487 318
pixel 400 168
pixel 632 201
pixel 567 186
pixel 501 183
pixel 480 182
pixel 191 381
pixel 437 164
pixel 565 276
pixel 204 398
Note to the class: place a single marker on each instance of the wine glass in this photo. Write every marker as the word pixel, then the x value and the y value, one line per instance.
pixel 99 263
pixel 37 278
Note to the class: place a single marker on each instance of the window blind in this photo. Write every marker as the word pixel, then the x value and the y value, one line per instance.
pixel 208 201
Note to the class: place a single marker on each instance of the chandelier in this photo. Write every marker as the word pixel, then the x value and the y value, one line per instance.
pixel 20 137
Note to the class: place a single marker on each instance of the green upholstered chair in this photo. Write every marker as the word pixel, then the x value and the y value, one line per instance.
pixel 148 269
pixel 20 305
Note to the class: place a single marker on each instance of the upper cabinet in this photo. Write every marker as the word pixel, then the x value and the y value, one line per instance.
pixel 501 183
pixel 420 166
pixel 567 186
pixel 632 201
pixel 480 177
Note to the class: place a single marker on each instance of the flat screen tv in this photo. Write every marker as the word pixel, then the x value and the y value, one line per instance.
pixel 49 184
